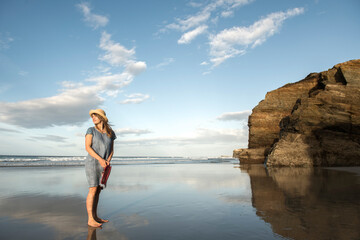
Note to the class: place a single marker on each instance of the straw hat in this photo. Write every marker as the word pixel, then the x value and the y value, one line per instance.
pixel 99 112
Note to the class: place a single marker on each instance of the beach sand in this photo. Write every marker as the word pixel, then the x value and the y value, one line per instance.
pixel 142 202
pixel 346 169
pixel 171 201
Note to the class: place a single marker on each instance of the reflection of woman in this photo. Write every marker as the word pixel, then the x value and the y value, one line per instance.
pixel 99 143
pixel 91 233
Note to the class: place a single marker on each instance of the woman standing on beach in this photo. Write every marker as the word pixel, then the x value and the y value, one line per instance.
pixel 99 143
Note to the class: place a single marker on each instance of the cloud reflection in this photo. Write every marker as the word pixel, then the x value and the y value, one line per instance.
pixel 64 215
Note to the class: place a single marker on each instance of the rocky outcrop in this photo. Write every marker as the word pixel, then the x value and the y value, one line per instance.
pixel 251 155
pixel 314 122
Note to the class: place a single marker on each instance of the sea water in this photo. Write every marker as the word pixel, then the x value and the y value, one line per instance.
pixel 38 161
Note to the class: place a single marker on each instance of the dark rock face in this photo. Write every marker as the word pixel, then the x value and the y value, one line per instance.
pixel 314 122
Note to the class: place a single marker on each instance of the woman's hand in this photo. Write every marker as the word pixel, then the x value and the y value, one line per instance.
pixel 104 163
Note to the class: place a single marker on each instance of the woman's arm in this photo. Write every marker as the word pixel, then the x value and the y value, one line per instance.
pixel 112 152
pixel 88 141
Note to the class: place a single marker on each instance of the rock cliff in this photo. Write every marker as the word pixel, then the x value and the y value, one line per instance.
pixel 313 122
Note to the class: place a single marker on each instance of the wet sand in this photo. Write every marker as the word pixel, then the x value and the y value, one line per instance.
pixel 346 169
pixel 182 201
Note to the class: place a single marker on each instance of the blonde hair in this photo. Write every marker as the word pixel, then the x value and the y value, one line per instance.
pixel 106 125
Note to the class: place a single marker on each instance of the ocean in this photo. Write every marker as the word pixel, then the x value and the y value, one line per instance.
pixel 48 161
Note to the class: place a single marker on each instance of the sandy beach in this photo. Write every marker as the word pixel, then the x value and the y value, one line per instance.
pixel 141 202
pixel 180 201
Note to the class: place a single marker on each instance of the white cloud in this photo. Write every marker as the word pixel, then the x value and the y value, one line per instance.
pixel 40 113
pixel 235 116
pixel 226 14
pixel 225 44
pixel 198 23
pixel 209 136
pixel 204 63
pixel 71 105
pixel 135 68
pixel 189 36
pixel 135 98
pixel 119 56
pixel 233 41
pixel 94 20
pixel 115 53
pixel 110 84
pixel 190 22
pixel 200 136
pixel 195 4
pixel 131 131
pixel 166 61
pixel 228 5
pixel 53 138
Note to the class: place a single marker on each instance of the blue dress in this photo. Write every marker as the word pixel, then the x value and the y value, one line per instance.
pixel 101 144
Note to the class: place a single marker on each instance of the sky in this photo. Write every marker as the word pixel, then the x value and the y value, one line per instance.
pixel 175 78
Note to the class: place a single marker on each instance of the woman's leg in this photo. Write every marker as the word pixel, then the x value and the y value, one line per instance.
pixel 96 202
pixel 90 201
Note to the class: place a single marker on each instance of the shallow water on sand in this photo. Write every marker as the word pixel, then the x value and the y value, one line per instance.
pixel 182 201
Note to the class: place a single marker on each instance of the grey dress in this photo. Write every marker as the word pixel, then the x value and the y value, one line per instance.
pixel 101 144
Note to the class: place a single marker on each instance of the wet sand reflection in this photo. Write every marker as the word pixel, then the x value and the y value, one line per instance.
pixel 204 201
pixel 62 216
pixel 91 233
pixel 41 216
pixel 306 203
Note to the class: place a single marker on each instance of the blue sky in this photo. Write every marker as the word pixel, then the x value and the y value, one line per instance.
pixel 176 78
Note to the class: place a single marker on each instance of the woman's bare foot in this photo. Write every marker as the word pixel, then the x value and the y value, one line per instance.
pixel 93 223
pixel 100 220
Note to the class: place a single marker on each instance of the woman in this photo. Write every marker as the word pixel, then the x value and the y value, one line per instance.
pixel 99 143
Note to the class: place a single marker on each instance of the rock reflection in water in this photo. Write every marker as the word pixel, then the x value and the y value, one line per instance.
pixel 307 203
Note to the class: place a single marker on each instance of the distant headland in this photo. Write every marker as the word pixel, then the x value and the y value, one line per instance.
pixel 313 122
